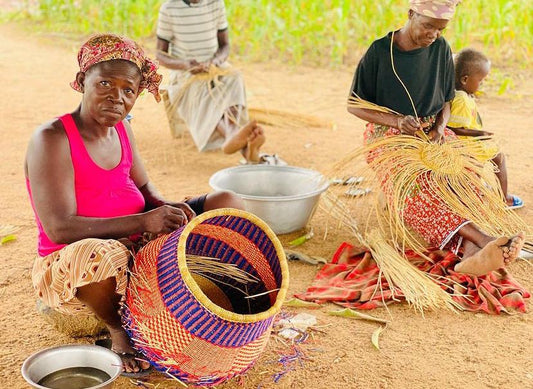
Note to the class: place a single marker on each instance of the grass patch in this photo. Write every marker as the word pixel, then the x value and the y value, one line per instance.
pixel 312 32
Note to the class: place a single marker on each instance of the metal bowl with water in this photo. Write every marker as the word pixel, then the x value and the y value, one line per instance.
pixel 285 197
pixel 74 366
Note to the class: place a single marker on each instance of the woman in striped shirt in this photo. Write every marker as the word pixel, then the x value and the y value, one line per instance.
pixel 192 40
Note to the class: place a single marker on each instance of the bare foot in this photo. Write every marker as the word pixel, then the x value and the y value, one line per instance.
pixel 120 344
pixel 255 141
pixel 239 140
pixel 495 255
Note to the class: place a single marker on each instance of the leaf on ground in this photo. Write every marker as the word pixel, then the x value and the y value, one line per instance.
pixel 297 303
pixel 350 313
pixel 375 336
pixel 301 240
pixel 7 238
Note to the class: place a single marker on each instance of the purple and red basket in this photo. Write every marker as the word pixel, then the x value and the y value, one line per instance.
pixel 180 330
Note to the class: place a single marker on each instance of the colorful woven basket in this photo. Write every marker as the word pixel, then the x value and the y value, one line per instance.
pixel 205 328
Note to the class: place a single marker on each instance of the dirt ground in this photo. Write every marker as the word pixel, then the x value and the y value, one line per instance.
pixel 442 349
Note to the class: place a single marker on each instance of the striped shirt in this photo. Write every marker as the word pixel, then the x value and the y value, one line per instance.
pixel 192 28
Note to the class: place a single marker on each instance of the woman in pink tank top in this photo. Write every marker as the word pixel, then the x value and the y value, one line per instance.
pixel 91 194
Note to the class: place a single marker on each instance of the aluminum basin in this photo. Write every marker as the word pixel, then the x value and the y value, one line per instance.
pixel 51 360
pixel 285 197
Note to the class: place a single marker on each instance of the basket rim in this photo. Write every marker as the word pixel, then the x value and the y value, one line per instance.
pixel 200 295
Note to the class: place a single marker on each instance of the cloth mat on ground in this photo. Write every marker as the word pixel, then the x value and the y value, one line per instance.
pixel 352 280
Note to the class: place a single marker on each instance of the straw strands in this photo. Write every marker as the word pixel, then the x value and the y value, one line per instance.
pixel 406 164
pixel 357 102
pixel 208 267
pixel 202 265
pixel 398 168
pixel 283 119
pixel 418 288
pixel 8 229
pixel 211 80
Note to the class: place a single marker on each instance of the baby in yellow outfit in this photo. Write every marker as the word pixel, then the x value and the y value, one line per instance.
pixel 471 68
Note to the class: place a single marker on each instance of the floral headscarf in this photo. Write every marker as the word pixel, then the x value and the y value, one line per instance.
pixel 438 9
pixel 106 47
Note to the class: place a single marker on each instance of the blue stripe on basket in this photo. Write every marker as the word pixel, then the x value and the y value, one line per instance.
pixel 180 302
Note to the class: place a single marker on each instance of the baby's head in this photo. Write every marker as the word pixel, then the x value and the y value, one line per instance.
pixel 471 68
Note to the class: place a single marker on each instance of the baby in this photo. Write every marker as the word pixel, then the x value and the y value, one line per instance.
pixel 471 68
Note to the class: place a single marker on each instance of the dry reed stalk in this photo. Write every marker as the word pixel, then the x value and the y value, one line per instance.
pixel 419 288
pixel 207 267
pixel 202 265
pixel 8 229
pixel 284 119
pixel 263 293
pixel 357 102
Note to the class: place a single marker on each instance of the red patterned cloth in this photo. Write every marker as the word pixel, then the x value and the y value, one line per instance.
pixel 437 9
pixel 351 280
pixel 107 47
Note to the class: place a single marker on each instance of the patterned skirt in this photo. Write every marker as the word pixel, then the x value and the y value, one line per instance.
pixel 57 276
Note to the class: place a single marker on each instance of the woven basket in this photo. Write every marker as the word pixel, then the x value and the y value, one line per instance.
pixel 195 338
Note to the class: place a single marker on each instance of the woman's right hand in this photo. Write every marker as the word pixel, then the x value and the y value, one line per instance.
pixel 164 219
pixel 195 67
pixel 408 125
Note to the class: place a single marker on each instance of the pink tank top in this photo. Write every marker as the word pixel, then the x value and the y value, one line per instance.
pixel 99 192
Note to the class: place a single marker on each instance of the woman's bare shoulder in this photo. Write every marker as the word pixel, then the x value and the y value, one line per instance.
pixel 51 131
pixel 49 139
pixel 48 143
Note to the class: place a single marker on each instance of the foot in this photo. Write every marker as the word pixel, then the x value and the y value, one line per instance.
pixel 239 140
pixel 495 255
pixel 255 141
pixel 514 202
pixel 120 344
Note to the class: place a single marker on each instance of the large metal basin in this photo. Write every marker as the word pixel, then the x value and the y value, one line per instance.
pixel 51 360
pixel 285 197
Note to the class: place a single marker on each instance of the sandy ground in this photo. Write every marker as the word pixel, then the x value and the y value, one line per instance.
pixel 442 349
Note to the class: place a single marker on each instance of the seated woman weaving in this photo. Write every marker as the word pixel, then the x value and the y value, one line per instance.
pixel 91 193
pixel 416 87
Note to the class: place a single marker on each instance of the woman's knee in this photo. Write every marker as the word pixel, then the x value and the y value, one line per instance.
pixel 223 199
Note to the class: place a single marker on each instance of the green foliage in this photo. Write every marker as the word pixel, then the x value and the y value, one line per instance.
pixel 316 32
pixel 134 18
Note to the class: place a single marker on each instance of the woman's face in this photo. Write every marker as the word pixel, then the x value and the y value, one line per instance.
pixel 425 30
pixel 110 89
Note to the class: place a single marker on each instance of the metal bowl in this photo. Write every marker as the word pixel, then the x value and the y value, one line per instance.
pixel 285 197
pixel 51 360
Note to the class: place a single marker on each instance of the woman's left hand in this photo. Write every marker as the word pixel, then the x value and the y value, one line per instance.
pixel 216 61
pixel 185 208
pixel 436 134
